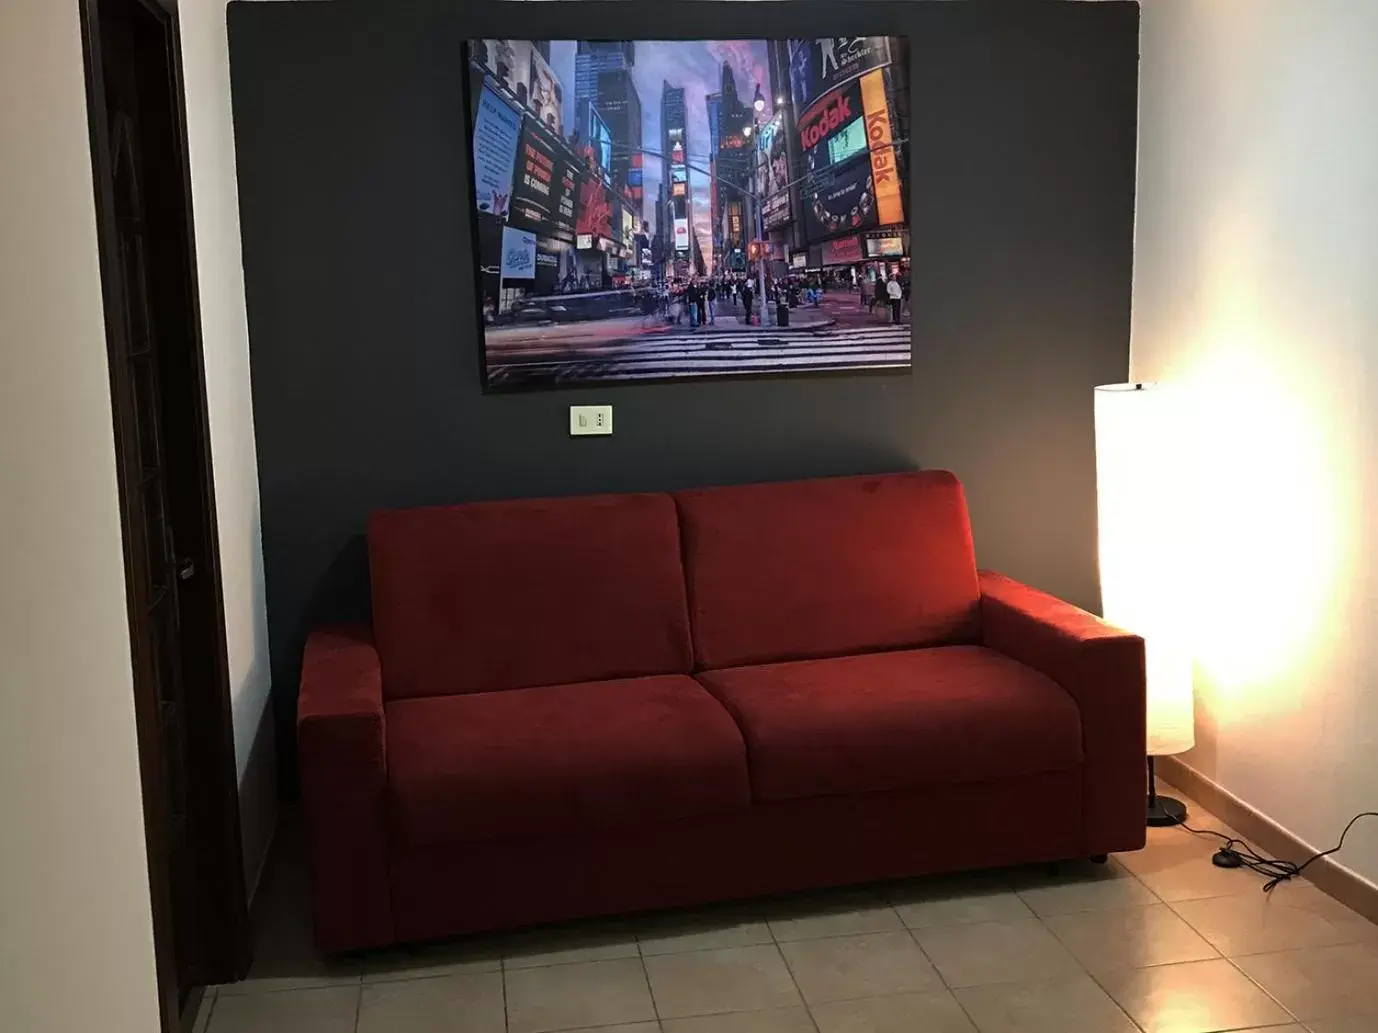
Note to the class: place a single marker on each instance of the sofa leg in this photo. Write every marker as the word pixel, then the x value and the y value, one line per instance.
pixel 1100 858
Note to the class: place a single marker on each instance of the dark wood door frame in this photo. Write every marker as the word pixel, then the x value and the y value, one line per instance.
pixel 220 952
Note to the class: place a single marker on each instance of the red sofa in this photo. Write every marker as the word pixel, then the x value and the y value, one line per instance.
pixel 581 706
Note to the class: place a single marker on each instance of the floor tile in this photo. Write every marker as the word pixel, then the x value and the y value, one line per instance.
pixel 285 958
pixel 563 944
pixel 832 914
pixel 1178 867
pixel 924 903
pixel 346 978
pixel 1083 886
pixel 870 965
pixel 590 993
pixel 1134 937
pixel 732 979
pixel 1320 982
pixel 328 1010
pixel 706 929
pixel 1194 997
pixel 996 952
pixel 203 1011
pixel 1197 818
pixel 284 950
pixel 1058 1006
pixel 1193 806
pixel 904 1013
pixel 1291 917
pixel 1314 956
pixel 1353 1024
pixel 470 1001
pixel 775 1020
pixel 442 959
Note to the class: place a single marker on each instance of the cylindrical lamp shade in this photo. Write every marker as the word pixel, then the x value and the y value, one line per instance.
pixel 1142 507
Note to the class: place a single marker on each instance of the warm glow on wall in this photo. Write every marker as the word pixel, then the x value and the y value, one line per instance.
pixel 1256 240
pixel 1276 412
pixel 1140 485
pixel 1277 587
pixel 1274 530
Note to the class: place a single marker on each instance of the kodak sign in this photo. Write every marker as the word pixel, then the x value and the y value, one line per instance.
pixel 826 118
pixel 884 168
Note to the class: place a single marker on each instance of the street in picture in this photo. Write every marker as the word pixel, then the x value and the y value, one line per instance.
pixel 650 209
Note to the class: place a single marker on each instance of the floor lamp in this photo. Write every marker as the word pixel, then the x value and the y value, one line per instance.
pixel 1139 486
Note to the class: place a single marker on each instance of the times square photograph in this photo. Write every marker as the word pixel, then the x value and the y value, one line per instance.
pixel 650 210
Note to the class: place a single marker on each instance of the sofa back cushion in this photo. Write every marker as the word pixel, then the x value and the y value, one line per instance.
pixel 505 595
pixel 829 568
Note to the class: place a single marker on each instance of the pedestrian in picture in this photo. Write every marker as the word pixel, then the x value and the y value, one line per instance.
pixel 691 295
pixel 868 292
pixel 712 295
pixel 895 293
pixel 746 302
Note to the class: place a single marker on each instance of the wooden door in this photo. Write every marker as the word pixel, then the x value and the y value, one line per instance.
pixel 172 566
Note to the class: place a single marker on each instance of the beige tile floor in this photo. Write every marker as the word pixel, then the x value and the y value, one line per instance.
pixel 1158 941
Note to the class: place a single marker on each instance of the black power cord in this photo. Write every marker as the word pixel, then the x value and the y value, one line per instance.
pixel 1237 853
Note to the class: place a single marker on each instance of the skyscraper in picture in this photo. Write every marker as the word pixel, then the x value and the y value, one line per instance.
pixel 714 104
pixel 675 165
pixel 603 78
pixel 732 165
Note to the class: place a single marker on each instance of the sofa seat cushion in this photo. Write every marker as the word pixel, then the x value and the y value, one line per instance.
pixel 560 759
pixel 902 720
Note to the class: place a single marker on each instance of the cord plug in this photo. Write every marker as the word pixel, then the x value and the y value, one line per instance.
pixel 1236 853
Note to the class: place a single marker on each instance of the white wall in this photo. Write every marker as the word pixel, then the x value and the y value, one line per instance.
pixel 76 941
pixel 224 332
pixel 1256 285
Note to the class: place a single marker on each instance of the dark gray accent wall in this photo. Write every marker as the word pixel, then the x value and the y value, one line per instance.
pixel 354 197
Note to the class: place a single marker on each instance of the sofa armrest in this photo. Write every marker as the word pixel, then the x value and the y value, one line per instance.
pixel 343 758
pixel 1102 668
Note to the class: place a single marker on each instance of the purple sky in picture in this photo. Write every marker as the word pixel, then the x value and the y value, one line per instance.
pixel 695 65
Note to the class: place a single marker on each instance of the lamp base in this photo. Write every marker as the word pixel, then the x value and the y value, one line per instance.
pixel 1164 811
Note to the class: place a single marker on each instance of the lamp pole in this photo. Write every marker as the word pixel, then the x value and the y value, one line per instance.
pixel 758 104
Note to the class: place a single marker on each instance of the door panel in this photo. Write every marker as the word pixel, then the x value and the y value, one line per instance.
pixel 137 350
pixel 172 567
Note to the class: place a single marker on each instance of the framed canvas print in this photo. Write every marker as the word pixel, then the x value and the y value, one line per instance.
pixel 665 209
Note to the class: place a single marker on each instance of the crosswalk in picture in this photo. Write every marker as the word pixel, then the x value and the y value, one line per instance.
pixel 748 350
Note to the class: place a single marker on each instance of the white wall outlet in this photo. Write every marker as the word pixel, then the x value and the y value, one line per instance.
pixel 590 419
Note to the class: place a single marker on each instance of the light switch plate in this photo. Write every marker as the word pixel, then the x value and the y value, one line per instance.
pixel 590 419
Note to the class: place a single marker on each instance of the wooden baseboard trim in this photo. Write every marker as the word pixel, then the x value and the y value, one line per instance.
pixel 1272 839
